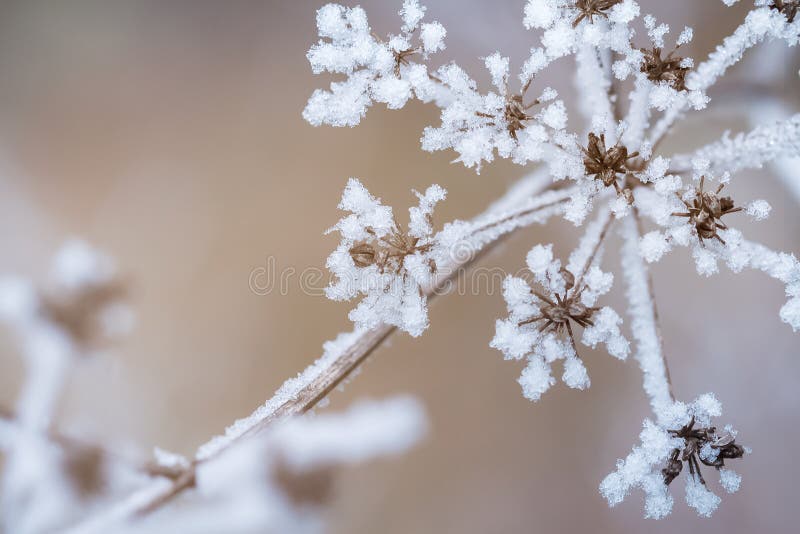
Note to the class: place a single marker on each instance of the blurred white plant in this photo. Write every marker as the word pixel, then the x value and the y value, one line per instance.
pixel 281 480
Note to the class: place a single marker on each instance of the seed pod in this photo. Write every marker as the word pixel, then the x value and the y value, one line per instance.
pixel 673 469
pixel 569 278
pixel 363 254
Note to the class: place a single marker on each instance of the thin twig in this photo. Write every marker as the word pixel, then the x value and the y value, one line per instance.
pixel 595 250
pixel 652 294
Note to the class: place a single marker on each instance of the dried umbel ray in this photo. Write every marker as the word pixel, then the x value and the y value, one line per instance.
pixel 556 315
pixel 515 112
pixel 387 252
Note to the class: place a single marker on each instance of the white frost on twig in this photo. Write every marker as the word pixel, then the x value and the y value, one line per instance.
pixel 751 150
pixel 649 351
pixel 683 435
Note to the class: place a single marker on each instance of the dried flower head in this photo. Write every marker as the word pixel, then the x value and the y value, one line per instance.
pixel 379 260
pixel 514 114
pixel 605 164
pixel 706 211
pixel 557 314
pixel 539 327
pixel 388 252
pixel 787 7
pixel 591 8
pixel 658 459
pixel 670 69
pixel 701 445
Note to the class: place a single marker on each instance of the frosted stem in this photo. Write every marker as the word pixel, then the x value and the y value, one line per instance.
pixel 496 221
pixel 751 150
pixel 585 254
pixel 594 90
pixel 644 319
pixel 638 118
pixel 301 394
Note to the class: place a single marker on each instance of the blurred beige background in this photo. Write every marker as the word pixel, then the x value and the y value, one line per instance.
pixel 169 134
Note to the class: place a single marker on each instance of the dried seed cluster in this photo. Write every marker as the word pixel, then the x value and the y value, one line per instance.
pixel 605 164
pixel 787 7
pixel 556 316
pixel 703 445
pixel 706 210
pixel 591 8
pixel 515 113
pixel 668 69
pixel 387 252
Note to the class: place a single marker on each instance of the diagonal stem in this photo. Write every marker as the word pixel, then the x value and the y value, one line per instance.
pixel 302 394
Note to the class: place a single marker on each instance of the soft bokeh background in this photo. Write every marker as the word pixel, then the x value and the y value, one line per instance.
pixel 169 134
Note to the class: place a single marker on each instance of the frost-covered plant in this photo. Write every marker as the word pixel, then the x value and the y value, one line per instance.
pixel 540 324
pixel 389 266
pixel 615 167
pixel 270 471
pixel 684 435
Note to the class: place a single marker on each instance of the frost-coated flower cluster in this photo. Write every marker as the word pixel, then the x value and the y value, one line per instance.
pixel 513 125
pixel 615 168
pixel 540 326
pixel 376 70
pixel 684 436
pixel 375 258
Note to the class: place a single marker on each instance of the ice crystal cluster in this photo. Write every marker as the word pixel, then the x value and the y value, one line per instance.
pixel 635 83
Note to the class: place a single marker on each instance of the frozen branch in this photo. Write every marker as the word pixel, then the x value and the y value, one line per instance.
pixel 750 150
pixel 644 319
pixel 299 395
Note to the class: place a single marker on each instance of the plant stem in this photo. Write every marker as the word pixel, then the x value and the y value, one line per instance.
pixel 310 394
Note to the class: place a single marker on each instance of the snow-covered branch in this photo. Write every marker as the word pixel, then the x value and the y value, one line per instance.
pixel 750 150
pixel 642 309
